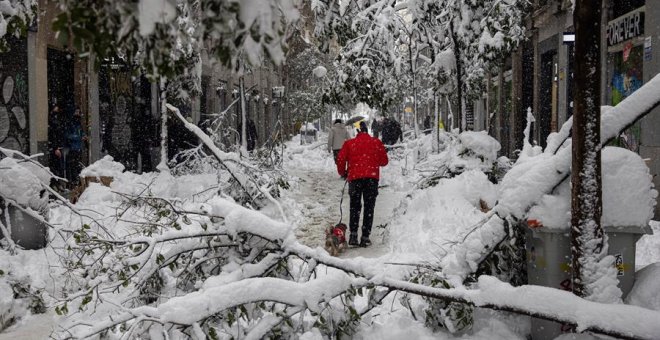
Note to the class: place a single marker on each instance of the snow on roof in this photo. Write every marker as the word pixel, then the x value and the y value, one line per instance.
pixel 628 194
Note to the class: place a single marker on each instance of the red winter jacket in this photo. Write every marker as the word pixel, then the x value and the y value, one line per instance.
pixel 362 156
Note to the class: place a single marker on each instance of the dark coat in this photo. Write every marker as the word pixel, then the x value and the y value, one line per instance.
pixel 391 131
pixel 57 126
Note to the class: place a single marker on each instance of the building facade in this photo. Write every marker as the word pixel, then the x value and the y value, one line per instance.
pixel 541 75
pixel 121 111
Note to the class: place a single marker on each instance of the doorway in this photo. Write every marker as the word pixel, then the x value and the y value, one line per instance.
pixel 60 78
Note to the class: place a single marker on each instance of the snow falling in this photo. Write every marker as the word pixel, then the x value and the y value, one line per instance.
pixel 193 169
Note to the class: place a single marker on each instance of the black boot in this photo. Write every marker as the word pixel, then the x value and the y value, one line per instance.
pixel 353 240
pixel 365 242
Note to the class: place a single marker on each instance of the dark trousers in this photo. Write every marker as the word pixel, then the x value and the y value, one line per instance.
pixel 363 189
pixel 335 153
pixel 73 167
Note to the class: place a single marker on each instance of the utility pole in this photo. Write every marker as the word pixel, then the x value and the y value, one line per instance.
pixel 587 238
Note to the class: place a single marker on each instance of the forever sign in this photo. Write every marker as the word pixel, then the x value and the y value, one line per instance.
pixel 625 27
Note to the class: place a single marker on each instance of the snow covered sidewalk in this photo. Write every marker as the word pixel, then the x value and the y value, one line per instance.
pixel 313 201
pixel 318 194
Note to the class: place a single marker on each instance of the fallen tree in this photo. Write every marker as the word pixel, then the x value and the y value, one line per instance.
pixel 527 182
pixel 274 284
pixel 216 269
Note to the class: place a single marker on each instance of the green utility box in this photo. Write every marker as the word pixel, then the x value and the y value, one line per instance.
pixel 549 265
pixel 26 231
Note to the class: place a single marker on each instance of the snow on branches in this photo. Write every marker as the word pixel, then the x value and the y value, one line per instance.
pixel 15 17
pixel 191 269
pixel 161 35
pixel 389 49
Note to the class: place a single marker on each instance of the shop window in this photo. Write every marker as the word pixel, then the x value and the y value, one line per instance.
pixel 626 78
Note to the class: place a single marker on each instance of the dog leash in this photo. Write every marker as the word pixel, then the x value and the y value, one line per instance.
pixel 341 201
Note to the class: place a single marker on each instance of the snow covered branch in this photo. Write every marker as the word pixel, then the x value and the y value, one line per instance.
pixel 255 261
pixel 526 183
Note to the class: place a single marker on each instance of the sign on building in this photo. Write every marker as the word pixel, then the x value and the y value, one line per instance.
pixel 625 27
pixel 648 51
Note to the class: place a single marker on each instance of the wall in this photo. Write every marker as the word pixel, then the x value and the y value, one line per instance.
pixel 40 41
pixel 650 134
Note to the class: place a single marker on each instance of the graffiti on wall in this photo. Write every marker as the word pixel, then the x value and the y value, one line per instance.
pixel 626 79
pixel 115 90
pixel 126 123
pixel 14 127
pixel 120 93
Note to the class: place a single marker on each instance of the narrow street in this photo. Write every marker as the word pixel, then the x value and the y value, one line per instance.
pixel 318 193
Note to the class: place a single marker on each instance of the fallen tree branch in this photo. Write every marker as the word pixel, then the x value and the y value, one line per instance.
pixel 554 164
pixel 217 153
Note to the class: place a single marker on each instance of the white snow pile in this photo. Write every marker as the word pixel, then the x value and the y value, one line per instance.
pixel 104 167
pixel 648 247
pixel 471 150
pixel 458 153
pixel 481 144
pixel 23 182
pixel 435 217
pixel 647 285
pixel 22 277
pixel 629 197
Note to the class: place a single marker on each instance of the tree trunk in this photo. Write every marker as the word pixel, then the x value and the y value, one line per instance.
pixel 587 238
pixel 162 165
pixel 501 120
pixel 241 84
pixel 436 128
pixel 459 80
pixel 413 70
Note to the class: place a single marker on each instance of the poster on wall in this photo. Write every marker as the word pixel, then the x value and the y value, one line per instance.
pixel 14 124
pixel 127 128
pixel 626 79
pixel 115 91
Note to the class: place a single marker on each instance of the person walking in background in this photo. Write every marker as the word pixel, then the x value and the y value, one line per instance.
pixel 336 138
pixel 375 128
pixel 427 125
pixel 359 161
pixel 391 131
pixel 56 142
pixel 75 136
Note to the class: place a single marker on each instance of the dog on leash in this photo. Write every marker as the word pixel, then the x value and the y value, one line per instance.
pixel 335 239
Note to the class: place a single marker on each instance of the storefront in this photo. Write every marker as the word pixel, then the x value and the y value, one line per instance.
pixel 625 56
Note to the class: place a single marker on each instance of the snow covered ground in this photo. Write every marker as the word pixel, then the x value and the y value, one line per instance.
pixel 411 226
pixel 313 202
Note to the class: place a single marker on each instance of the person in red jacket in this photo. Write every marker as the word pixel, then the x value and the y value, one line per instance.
pixel 359 161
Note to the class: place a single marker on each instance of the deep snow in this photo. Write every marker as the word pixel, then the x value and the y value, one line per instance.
pixel 420 227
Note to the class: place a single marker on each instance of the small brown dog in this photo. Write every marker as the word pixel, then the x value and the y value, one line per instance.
pixel 335 239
